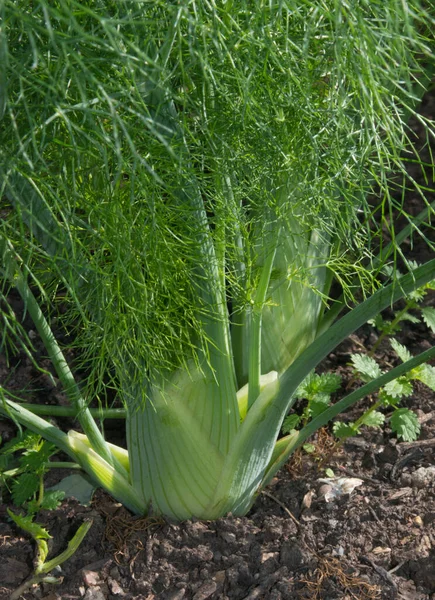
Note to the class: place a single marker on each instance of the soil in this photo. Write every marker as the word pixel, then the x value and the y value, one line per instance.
pixel 377 541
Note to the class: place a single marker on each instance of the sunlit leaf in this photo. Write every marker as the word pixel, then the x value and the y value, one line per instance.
pixel 366 366
pixel 405 424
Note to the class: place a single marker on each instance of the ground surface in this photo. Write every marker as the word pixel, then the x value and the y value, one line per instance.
pixel 377 542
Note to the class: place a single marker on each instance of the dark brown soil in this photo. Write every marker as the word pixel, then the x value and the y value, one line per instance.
pixel 376 543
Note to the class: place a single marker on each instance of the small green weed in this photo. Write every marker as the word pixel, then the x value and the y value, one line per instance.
pixel 317 389
pixel 24 461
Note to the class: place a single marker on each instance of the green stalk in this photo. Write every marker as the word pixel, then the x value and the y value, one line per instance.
pixel 105 475
pixel 53 434
pixel 65 375
pixel 255 331
pixel 286 446
pixel 63 465
pixel 72 547
pixel 59 362
pixel 77 447
pixel 66 411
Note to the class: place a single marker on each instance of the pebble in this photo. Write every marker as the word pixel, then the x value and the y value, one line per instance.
pixel 94 594
pixel 205 591
pixel 114 587
pixel 90 578
pixel 219 577
pixel 418 521
pixel 423 477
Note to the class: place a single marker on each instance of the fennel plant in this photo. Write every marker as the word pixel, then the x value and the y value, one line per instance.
pixel 191 181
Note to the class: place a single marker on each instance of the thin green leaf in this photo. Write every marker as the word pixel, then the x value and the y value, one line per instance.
pixel 26 523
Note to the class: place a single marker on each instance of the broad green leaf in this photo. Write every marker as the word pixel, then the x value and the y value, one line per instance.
pixel 399 387
pixel 401 351
pixel 366 366
pixel 329 382
pixel 373 419
pixel 319 405
pixel 318 385
pixel 35 460
pixel 290 423
pixel 24 487
pixel 429 317
pixel 387 399
pixel 425 374
pixel 304 390
pixel 344 430
pixel 417 295
pixel 405 424
pixel 52 500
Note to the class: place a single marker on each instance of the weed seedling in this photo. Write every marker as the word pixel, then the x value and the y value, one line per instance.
pixel 24 462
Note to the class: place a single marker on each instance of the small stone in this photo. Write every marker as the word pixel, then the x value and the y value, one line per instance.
pixel 308 499
pixel 418 521
pixel 205 591
pixel 115 588
pixel 229 538
pixel 219 577
pixel 266 555
pixel 423 477
pixel 379 550
pixel 406 479
pixel 324 492
pixel 90 578
pixel 94 594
